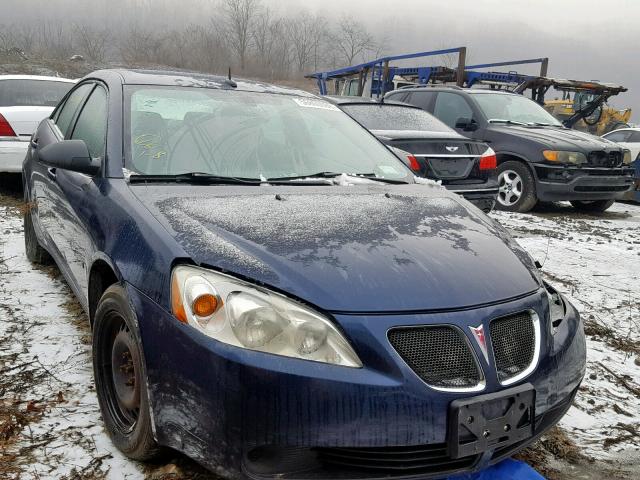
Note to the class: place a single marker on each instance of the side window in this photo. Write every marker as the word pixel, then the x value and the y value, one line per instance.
pixel 397 97
pixel 635 137
pixel 619 136
pixel 91 125
pixel 424 100
pixel 65 115
pixel 450 107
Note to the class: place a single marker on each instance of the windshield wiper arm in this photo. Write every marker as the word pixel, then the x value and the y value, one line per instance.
pixel 311 175
pixel 504 120
pixel 194 177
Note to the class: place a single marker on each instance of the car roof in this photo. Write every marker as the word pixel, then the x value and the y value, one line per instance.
pixel 450 88
pixel 625 129
pixel 36 77
pixel 350 100
pixel 182 78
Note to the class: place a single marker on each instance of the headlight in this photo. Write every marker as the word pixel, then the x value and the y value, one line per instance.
pixel 244 315
pixel 561 156
pixel 626 157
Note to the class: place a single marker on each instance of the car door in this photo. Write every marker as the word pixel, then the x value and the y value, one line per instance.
pixel 44 189
pixel 77 192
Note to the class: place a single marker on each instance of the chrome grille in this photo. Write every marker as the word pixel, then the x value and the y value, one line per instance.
pixel 441 356
pixel 514 344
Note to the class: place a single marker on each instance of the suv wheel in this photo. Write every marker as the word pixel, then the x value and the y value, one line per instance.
pixel 517 189
pixel 120 377
pixel 595 206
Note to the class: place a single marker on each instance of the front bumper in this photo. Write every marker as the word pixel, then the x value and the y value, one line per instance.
pixel 12 155
pixel 249 414
pixel 556 183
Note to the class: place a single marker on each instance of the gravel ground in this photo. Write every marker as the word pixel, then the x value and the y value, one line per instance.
pixel 50 422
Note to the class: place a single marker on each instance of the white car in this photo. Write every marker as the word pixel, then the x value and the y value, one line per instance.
pixel 24 101
pixel 627 138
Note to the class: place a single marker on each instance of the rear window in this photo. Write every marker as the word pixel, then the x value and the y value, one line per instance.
pixel 32 93
pixel 395 117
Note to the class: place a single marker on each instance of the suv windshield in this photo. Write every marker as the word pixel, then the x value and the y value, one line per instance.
pixel 394 117
pixel 32 93
pixel 175 130
pixel 513 108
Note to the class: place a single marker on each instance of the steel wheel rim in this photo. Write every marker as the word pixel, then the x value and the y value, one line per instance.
pixel 510 188
pixel 119 370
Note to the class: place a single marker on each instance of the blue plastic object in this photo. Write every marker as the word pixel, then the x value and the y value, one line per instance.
pixel 508 469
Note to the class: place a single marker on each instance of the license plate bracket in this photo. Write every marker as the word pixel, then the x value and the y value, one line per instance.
pixel 491 421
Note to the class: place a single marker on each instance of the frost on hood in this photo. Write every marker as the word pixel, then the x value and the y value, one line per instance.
pixel 311 227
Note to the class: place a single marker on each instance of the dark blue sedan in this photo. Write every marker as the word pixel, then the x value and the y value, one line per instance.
pixel 273 293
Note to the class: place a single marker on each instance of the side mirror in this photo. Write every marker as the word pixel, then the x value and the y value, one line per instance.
pixel 466 124
pixel 69 155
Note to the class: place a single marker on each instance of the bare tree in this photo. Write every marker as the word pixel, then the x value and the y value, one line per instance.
pixel 92 43
pixel 240 18
pixel 352 40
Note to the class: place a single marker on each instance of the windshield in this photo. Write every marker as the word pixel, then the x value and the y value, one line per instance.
pixel 394 117
pixel 513 108
pixel 32 93
pixel 175 130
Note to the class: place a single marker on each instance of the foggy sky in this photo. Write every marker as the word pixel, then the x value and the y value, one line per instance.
pixel 584 39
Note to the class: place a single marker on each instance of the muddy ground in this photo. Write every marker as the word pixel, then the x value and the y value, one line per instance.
pixel 50 423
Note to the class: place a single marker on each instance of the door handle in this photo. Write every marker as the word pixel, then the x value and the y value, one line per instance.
pixel 51 172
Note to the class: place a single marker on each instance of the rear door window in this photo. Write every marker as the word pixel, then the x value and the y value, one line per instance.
pixel 450 107
pixel 32 93
pixel 70 107
pixel 423 100
pixel 91 125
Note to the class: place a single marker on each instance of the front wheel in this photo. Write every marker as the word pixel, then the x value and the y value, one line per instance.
pixel 120 377
pixel 516 187
pixel 594 206
pixel 33 249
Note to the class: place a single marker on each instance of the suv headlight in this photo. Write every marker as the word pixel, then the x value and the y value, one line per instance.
pixel 560 156
pixel 626 157
pixel 247 316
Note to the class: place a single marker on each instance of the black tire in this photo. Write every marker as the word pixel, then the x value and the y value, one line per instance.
pixel 526 199
pixel 122 394
pixel 33 249
pixel 595 206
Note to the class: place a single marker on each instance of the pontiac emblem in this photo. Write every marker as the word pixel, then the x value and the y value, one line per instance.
pixel 478 334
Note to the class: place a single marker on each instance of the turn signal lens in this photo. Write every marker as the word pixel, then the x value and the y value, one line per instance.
pixel 176 301
pixel 205 305
pixel 550 155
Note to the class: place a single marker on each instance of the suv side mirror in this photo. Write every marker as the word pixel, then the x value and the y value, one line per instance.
pixel 466 124
pixel 69 155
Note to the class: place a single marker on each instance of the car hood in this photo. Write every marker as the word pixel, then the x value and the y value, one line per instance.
pixel 558 138
pixel 348 249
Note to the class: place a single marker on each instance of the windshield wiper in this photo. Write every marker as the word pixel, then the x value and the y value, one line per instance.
pixel 504 120
pixel 541 124
pixel 333 175
pixel 194 177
